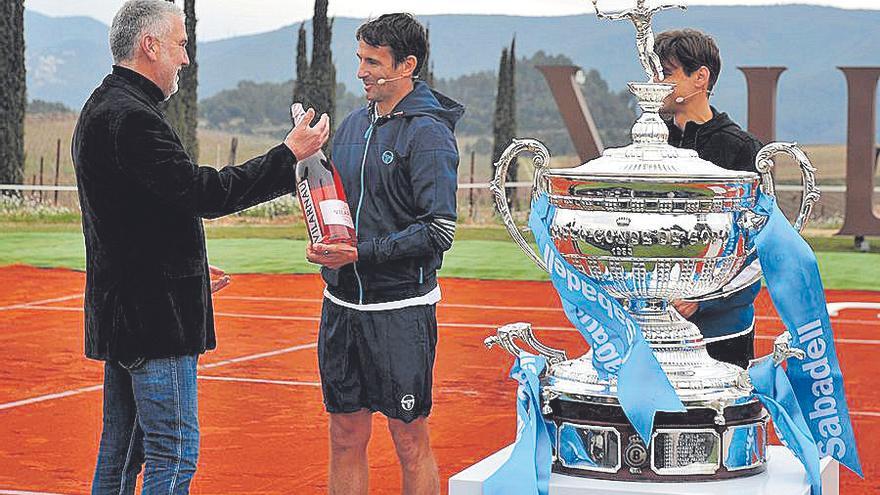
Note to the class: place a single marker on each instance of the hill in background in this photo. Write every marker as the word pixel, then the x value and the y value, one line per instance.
pixel 67 57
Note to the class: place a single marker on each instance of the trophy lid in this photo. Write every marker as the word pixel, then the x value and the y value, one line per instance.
pixel 635 163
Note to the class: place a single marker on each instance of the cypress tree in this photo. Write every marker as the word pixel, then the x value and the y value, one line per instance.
pixel 182 109
pixel 500 138
pixel 426 72
pixel 510 107
pixel 300 88
pixel 13 98
pixel 322 73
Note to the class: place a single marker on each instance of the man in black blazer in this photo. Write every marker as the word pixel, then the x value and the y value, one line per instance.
pixel 148 311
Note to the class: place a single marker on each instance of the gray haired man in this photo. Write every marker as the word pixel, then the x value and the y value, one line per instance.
pixel 148 311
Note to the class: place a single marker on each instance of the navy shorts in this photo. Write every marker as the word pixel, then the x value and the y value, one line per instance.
pixel 737 350
pixel 378 360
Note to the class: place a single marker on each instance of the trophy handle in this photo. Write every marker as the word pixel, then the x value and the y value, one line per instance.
pixel 782 351
pixel 541 161
pixel 506 336
pixel 764 163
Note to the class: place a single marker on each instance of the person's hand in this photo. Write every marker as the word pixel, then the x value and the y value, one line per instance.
pixel 305 140
pixel 333 256
pixel 685 308
pixel 219 278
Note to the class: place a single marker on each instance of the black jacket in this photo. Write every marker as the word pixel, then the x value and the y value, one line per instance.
pixel 142 198
pixel 400 177
pixel 720 141
pixel 724 143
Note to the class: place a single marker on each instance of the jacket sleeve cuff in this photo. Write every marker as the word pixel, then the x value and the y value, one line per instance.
pixel 283 153
pixel 366 251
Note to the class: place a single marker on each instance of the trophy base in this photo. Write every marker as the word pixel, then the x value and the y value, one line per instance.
pixel 597 441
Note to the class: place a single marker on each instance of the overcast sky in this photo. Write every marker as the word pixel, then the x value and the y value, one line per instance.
pixel 227 18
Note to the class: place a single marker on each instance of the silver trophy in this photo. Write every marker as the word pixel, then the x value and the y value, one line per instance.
pixel 651 223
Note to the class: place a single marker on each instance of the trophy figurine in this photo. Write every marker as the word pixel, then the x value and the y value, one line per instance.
pixel 641 19
pixel 650 224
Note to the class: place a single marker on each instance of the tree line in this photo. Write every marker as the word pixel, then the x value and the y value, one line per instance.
pixel 514 101
pixel 318 80
pixel 263 107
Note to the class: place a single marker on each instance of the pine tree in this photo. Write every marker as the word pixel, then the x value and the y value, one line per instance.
pixel 300 87
pixel 182 109
pixel 13 98
pixel 322 73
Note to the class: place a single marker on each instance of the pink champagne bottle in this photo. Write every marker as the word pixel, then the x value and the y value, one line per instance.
pixel 321 196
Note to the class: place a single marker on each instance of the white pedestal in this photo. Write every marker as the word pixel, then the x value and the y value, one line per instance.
pixel 784 476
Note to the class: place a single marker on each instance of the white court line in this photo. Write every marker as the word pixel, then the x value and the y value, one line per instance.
pixel 53 308
pixel 836 340
pixel 503 308
pixel 452 325
pixel 19 492
pixel 571 329
pixel 268 317
pixel 865 413
pixel 42 398
pixel 443 304
pixel 285 350
pixel 270 299
pixel 439 388
pixel 260 380
pixel 38 305
pixel 475 306
pixel 836 307
pixel 440 324
pixel 834 319
pixel 92 388
pixel 257 356
pixel 43 301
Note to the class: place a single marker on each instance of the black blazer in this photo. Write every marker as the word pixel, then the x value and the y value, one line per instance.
pixel 142 198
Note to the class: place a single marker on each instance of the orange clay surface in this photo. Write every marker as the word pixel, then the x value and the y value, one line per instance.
pixel 263 426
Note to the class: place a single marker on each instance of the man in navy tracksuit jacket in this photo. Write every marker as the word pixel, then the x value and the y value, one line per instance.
pixel 398 161
pixel 692 62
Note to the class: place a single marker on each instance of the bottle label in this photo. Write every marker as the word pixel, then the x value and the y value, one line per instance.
pixel 309 211
pixel 335 211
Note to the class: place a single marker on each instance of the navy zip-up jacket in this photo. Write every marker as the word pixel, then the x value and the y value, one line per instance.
pixel 399 173
pixel 724 143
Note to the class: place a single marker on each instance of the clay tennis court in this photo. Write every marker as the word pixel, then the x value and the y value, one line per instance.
pixel 262 421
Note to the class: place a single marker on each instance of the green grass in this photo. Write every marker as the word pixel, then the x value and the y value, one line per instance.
pixel 494 257
pixel 43 249
pixel 260 255
pixel 849 270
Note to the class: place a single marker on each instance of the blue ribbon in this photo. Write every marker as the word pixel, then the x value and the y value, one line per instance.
pixel 795 287
pixel 527 470
pixel 814 384
pixel 619 348
pixel 775 392
pixel 743 448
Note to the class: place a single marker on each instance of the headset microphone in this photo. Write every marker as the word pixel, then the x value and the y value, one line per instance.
pixel 382 81
pixel 681 99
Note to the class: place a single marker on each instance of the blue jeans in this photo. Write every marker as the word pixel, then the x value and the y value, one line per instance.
pixel 150 421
